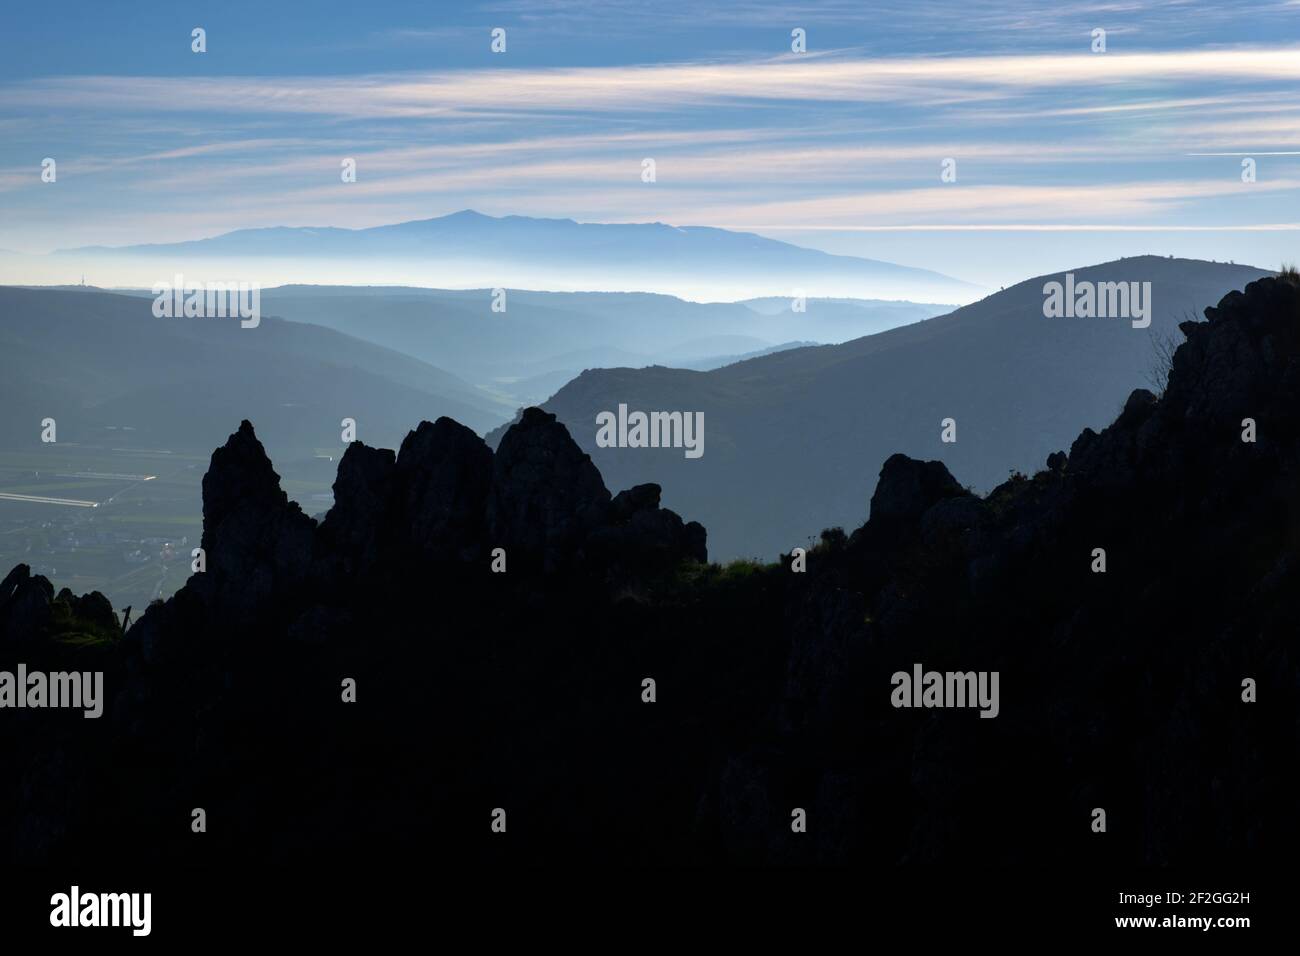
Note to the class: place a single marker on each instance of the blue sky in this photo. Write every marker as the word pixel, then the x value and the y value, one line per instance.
pixel 1064 157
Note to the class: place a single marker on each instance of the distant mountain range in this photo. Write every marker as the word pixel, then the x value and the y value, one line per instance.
pixel 794 440
pixel 559 334
pixel 543 339
pixel 468 248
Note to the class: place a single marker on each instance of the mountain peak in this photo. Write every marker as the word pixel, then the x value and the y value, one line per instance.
pixel 471 248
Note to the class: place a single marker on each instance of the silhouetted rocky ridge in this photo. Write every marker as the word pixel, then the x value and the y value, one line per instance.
pixel 479 689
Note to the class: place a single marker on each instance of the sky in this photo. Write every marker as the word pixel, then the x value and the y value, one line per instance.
pixel 1063 156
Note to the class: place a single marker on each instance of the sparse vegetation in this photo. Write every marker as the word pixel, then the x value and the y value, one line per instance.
pixel 67 626
pixel 832 541
pixel 1163 347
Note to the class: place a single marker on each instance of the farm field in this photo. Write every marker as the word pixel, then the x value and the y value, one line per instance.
pixel 117 519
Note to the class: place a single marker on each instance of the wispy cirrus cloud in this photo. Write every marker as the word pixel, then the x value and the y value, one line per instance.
pixel 660 87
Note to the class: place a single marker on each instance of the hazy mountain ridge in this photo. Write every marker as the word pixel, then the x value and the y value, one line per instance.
pixel 469 248
pixel 1018 385
pixel 91 359
pixel 541 332
pixel 551 337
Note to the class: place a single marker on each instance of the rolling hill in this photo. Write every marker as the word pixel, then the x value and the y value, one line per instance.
pixel 92 360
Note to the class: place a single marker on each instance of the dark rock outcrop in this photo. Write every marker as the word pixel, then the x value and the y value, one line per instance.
pixel 257 543
pixel 639 539
pixel 907 490
pixel 24 604
pixel 356 523
pixel 546 495
pixel 443 475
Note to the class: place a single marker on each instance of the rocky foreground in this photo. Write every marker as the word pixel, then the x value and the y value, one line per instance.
pixel 478 689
